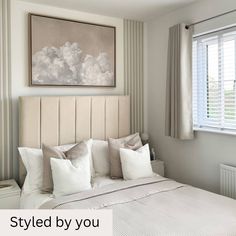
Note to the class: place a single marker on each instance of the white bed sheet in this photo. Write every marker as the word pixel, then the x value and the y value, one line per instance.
pixel 99 181
pixel 35 199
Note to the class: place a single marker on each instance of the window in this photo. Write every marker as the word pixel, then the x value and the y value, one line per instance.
pixel 214 81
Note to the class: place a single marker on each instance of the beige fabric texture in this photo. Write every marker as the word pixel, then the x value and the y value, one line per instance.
pixel 43 120
pixel 132 142
pixel 72 154
pixel 76 152
pixel 48 153
pixel 179 84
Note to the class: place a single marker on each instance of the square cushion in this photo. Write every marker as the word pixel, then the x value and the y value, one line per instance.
pixel 73 154
pixel 70 176
pixel 136 164
pixel 132 142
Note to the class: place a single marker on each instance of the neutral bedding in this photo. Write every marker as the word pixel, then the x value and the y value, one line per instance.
pixel 35 199
pixel 142 205
pixel 157 206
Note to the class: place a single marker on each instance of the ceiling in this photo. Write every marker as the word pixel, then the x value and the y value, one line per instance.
pixel 130 9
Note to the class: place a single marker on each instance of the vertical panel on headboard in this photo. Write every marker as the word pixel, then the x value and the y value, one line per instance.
pixel 50 120
pixel 67 120
pixel 124 116
pixel 83 118
pixel 29 127
pixel 29 118
pixel 112 123
pixel 98 118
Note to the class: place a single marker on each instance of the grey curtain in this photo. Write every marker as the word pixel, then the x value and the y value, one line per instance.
pixel 179 84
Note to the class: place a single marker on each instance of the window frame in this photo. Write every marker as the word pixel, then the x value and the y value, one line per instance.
pixel 202 125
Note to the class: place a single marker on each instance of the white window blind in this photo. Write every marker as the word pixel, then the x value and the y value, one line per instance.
pixel 214 81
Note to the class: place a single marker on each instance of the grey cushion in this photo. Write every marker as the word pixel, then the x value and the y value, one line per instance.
pixel 131 142
pixel 49 152
pixel 72 154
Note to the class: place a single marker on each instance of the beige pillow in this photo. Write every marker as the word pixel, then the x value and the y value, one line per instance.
pixel 73 154
pixel 76 152
pixel 48 153
pixel 132 142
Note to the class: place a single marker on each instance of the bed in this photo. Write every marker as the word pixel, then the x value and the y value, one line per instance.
pixel 147 206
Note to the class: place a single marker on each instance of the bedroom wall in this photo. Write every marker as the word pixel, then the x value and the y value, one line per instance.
pixel 133 71
pixel 19 57
pixel 194 162
pixel 5 95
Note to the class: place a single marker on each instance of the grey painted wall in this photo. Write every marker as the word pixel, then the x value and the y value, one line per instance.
pixel 194 162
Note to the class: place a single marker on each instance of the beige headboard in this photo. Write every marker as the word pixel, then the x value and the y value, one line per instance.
pixel 70 119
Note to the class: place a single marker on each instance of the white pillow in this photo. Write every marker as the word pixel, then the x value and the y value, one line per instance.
pixel 69 179
pixel 89 145
pixel 33 161
pixel 100 155
pixel 136 164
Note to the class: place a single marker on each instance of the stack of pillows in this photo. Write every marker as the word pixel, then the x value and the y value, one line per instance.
pixel 68 169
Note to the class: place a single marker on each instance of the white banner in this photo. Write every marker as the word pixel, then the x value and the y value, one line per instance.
pixel 56 222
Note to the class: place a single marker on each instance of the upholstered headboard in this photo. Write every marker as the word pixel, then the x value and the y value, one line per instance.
pixel 70 119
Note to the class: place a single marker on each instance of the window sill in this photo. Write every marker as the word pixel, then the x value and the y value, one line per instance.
pixel 212 130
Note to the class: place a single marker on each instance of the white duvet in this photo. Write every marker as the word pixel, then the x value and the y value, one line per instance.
pixel 35 199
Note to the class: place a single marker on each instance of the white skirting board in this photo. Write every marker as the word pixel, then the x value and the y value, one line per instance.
pixel 228 180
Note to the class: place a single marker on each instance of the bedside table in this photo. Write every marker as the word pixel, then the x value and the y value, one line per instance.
pixel 10 196
pixel 158 167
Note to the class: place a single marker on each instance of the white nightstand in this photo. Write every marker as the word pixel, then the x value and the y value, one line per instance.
pixel 10 196
pixel 158 167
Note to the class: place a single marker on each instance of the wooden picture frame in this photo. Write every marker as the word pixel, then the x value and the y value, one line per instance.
pixel 71 53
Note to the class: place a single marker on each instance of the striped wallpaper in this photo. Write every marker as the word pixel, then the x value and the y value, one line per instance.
pixel 133 63
pixel 6 164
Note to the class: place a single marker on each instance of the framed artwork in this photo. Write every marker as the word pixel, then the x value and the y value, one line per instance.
pixel 71 53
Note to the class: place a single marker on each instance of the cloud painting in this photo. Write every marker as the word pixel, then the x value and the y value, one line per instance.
pixel 71 53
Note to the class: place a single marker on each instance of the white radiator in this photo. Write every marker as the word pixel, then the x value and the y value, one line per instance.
pixel 228 181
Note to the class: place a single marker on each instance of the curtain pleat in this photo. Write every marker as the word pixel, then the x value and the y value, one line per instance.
pixel 179 84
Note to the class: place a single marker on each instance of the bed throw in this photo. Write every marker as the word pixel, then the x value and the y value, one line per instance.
pixel 157 206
